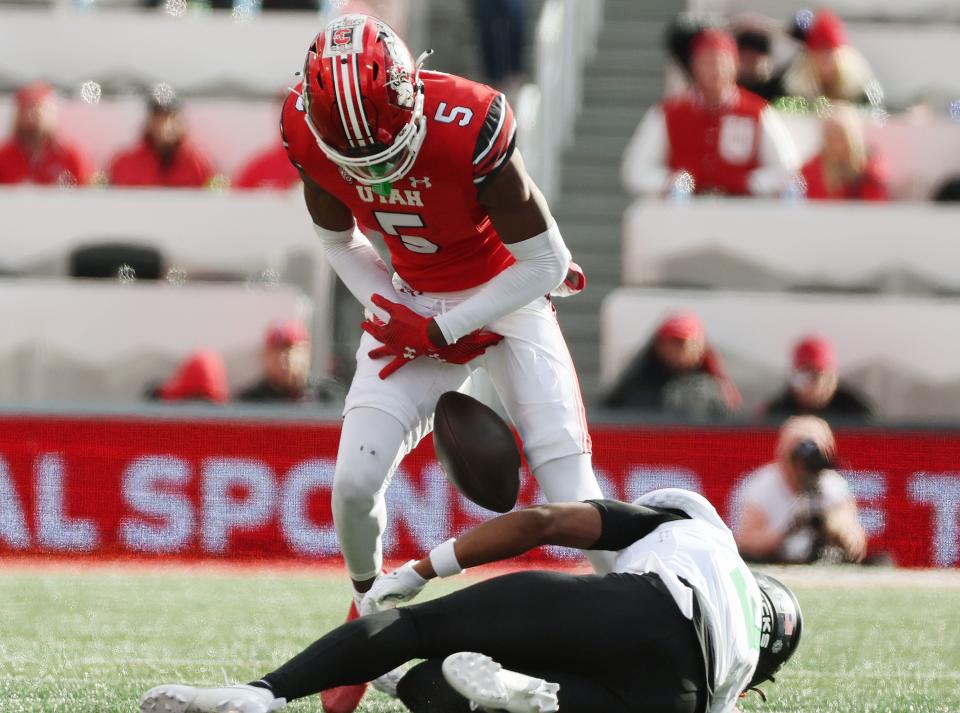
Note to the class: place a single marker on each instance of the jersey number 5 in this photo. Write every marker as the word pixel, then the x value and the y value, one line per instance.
pixel 463 112
pixel 391 222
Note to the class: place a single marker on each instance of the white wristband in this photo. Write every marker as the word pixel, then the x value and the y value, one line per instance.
pixel 444 559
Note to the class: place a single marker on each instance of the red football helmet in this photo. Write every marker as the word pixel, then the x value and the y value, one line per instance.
pixel 364 99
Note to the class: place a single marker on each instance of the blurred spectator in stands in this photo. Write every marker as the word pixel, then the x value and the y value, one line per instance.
pixel 244 5
pixel 165 157
pixel 755 62
pixel 948 191
pixel 298 5
pixel 680 34
pixel 827 65
pixel 798 508
pixel 814 386
pixel 502 34
pixel 844 169
pixel 35 154
pixel 286 368
pixel 677 372
pixel 202 376
pixel 712 139
pixel 271 168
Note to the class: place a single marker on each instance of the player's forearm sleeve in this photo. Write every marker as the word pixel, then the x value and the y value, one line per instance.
pixel 622 524
pixel 541 265
pixel 353 258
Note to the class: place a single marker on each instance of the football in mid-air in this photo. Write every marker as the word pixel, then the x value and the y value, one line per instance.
pixel 477 451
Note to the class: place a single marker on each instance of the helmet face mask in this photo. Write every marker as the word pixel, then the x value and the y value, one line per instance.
pixel 781 626
pixel 363 99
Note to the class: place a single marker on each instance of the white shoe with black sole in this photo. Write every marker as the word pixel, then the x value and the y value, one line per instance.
pixel 175 698
pixel 490 687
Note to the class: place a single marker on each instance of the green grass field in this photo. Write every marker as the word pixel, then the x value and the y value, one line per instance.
pixel 75 641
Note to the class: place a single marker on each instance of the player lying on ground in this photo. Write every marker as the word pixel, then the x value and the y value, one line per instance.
pixel 681 626
pixel 428 162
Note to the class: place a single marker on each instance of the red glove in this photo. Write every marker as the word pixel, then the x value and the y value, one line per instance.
pixel 464 350
pixel 573 283
pixel 468 347
pixel 405 338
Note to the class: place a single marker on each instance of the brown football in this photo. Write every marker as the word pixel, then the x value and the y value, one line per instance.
pixel 477 451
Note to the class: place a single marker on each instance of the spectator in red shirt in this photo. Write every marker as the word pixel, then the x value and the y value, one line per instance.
pixel 270 169
pixel 165 157
pixel 202 376
pixel 844 169
pixel 34 154
pixel 713 138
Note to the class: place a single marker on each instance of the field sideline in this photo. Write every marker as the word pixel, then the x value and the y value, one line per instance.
pixel 91 639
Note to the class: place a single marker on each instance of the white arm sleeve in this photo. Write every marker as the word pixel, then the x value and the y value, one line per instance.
pixel 778 157
pixel 644 170
pixel 541 265
pixel 353 258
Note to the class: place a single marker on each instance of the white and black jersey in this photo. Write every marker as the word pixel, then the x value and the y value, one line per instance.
pixel 679 536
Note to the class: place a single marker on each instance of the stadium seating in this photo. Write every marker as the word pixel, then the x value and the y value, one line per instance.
pixel 67 340
pixel 259 239
pixel 223 235
pixel 772 245
pixel 901 351
pixel 912 62
pixel 915 10
pixel 128 49
pixel 230 131
pixel 124 48
pixel 912 56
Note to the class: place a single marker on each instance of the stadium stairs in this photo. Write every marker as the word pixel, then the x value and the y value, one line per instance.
pixel 624 79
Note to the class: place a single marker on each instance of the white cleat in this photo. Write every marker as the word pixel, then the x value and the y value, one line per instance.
pixel 173 698
pixel 388 682
pixel 490 687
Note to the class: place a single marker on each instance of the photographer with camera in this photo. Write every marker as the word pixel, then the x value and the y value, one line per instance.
pixel 798 508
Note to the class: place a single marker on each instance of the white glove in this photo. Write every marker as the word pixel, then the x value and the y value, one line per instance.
pixel 389 590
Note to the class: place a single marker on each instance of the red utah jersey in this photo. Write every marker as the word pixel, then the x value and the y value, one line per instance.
pixel 719 148
pixel 439 235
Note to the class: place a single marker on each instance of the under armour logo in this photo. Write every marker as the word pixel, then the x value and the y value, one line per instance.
pixel 425 182
pixel 409 353
pixel 344 175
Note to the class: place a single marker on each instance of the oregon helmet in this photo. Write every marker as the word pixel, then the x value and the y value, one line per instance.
pixel 780 625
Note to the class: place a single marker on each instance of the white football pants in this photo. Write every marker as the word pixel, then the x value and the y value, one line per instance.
pixel 534 376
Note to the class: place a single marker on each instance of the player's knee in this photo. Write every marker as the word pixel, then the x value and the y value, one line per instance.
pixel 356 486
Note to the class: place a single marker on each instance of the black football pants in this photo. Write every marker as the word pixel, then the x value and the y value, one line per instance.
pixel 615 644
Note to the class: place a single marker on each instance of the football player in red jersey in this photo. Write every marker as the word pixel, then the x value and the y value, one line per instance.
pixel 427 161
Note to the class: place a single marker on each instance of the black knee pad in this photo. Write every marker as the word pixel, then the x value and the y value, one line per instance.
pixel 424 690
